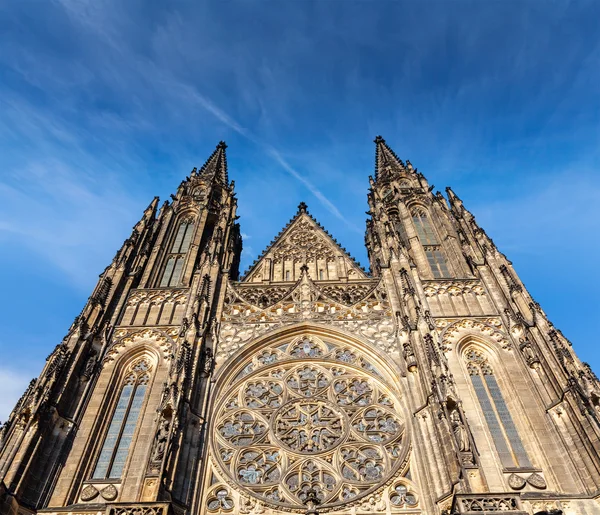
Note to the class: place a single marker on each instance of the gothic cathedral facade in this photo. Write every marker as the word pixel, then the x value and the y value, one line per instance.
pixel 434 384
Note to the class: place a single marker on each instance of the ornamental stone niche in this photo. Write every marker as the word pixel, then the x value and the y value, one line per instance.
pixel 309 413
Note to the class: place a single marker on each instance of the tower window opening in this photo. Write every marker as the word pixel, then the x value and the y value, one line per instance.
pixel 321 274
pixel 287 275
pixel 123 423
pixel 495 411
pixel 176 257
pixel 431 244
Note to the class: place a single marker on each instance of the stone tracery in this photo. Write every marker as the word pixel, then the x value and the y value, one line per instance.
pixel 309 414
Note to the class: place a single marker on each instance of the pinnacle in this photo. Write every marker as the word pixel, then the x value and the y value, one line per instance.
pixel 451 194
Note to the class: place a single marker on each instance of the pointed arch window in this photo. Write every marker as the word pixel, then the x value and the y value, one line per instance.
pixel 123 423
pixel 176 257
pixel 430 243
pixel 495 411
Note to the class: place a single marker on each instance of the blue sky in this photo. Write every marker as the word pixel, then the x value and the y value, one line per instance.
pixel 105 104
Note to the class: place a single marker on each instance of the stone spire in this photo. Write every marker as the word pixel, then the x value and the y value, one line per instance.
pixel 216 164
pixel 386 159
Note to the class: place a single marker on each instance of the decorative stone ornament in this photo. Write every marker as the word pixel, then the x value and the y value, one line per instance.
pixel 537 481
pixel 89 493
pixel 109 493
pixel 516 482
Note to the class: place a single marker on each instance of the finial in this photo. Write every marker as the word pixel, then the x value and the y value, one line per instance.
pixel 222 145
pixel 302 207
pixel 379 139
pixel 311 501
pixel 451 195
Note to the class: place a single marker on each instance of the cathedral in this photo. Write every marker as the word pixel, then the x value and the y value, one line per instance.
pixel 431 384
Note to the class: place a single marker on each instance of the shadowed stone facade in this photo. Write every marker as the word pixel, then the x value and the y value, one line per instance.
pixel 434 384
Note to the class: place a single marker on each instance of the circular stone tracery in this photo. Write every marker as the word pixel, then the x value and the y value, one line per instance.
pixel 312 416
pixel 309 426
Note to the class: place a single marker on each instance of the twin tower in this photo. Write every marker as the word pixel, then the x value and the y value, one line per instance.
pixel 434 384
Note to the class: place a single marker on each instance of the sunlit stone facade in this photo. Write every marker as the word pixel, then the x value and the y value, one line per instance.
pixel 434 384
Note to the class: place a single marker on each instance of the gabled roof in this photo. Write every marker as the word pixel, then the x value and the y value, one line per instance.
pixel 322 240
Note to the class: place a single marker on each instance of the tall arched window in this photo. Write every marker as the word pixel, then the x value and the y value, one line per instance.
pixel 124 421
pixel 430 243
pixel 498 418
pixel 176 256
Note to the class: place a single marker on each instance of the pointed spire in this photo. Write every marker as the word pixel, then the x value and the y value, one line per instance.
pixel 150 211
pixel 385 158
pixel 216 164
pixel 456 203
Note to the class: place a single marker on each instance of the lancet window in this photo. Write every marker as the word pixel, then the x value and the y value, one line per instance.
pixel 430 243
pixel 495 411
pixel 123 423
pixel 176 257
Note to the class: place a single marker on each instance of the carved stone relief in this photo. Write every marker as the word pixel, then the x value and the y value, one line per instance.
pixel 368 316
pixel 155 307
pixel 123 338
pixel 453 333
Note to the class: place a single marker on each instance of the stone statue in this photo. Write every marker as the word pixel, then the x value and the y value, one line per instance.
pixel 161 440
pixel 460 431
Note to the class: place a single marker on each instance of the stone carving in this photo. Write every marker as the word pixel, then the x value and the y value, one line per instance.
pixel 461 434
pixel 485 504
pixel 89 493
pixel 220 500
pixel 309 414
pixel 441 323
pixel 453 288
pixel 262 296
pixel 155 307
pixel 370 317
pixel 139 509
pixel 124 339
pixel 516 482
pixel 402 496
pixel 409 357
pixel 90 365
pixel 160 444
pixel 465 327
pixel 528 352
pixel 303 242
pixel 537 481
pixel 309 426
pixel 109 493
pixel 208 362
pixel 350 294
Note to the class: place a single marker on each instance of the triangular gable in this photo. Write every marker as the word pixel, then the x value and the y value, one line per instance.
pixel 303 241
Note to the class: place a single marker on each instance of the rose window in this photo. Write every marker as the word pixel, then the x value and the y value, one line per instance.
pixel 309 415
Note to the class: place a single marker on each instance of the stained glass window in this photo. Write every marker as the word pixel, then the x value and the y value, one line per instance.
pixel 495 411
pixel 124 421
pixel 424 230
pixel 176 257
pixel 430 243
